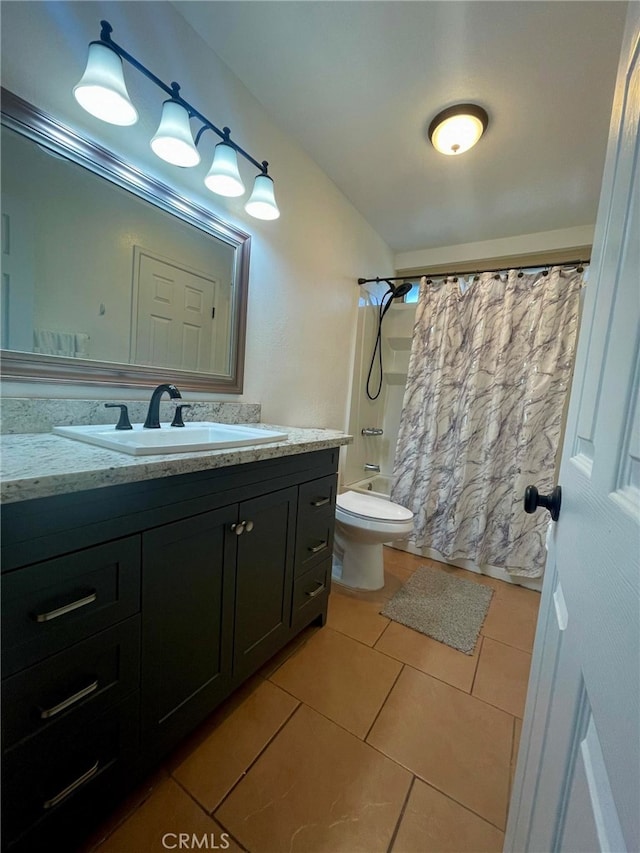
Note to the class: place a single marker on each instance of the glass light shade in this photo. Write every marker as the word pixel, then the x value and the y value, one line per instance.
pixel 457 129
pixel 173 140
pixel 101 90
pixel 223 177
pixel 262 202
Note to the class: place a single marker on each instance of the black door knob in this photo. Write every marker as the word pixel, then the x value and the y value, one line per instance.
pixel 552 502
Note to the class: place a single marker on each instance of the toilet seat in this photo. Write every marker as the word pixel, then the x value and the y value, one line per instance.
pixel 368 508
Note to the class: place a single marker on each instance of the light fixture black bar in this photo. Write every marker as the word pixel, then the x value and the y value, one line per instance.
pixel 174 92
pixel 469 272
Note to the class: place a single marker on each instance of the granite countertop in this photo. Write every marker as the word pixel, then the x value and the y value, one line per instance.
pixel 38 465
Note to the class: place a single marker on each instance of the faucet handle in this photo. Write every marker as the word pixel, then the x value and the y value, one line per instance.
pixel 177 418
pixel 123 422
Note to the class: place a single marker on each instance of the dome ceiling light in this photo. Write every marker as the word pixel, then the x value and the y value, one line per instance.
pixel 103 93
pixel 458 128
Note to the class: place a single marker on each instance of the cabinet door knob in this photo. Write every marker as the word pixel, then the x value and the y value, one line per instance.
pixel 238 529
pixel 248 526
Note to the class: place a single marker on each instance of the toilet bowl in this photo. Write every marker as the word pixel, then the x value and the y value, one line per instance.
pixel 363 524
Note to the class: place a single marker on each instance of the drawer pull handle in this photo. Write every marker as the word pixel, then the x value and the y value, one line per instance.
pixel 320 502
pixel 47 713
pixel 81 780
pixel 319 547
pixel 67 608
pixel 321 588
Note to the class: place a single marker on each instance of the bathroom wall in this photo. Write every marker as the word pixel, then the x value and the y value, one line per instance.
pixel 539 243
pixel 303 295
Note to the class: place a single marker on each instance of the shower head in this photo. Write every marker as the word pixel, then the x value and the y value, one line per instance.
pixel 401 289
pixel 394 292
pixel 397 290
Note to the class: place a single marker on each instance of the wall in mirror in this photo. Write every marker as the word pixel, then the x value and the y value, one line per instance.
pixel 95 275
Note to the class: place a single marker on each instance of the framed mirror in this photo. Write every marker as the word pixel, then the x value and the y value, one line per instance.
pixel 109 276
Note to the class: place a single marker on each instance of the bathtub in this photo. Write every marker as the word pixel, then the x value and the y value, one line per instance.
pixel 379 486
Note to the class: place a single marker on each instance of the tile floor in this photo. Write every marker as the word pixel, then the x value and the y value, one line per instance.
pixel 361 736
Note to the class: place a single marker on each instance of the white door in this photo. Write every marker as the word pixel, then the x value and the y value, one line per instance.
pixel 577 786
pixel 175 320
pixel 17 283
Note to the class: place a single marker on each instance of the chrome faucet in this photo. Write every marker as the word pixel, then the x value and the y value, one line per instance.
pixel 153 415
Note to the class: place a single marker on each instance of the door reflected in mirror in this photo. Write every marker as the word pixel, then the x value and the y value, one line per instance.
pixel 93 273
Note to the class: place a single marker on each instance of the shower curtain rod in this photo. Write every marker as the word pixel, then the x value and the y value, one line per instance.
pixel 378 279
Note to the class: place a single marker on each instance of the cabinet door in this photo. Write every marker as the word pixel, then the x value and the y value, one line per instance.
pixel 187 595
pixel 264 579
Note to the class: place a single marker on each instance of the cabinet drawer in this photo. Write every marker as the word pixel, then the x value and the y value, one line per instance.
pixel 317 495
pixel 316 520
pixel 310 590
pixel 51 605
pixel 66 765
pixel 314 540
pixel 78 682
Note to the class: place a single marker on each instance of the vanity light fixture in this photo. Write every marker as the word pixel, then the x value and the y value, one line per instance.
pixel 102 92
pixel 173 141
pixel 224 176
pixel 458 128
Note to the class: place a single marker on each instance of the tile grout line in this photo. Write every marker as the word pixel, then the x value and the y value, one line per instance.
pixel 459 689
pixel 509 645
pixel 251 764
pixel 396 829
pixel 188 793
pixel 395 681
pixel 351 637
pixel 383 632
pixel 463 805
pixel 440 791
pixel 128 816
pixel 475 672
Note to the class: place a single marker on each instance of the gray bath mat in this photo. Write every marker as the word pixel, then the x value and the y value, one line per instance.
pixel 447 608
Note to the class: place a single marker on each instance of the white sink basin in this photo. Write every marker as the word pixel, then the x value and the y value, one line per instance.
pixel 202 435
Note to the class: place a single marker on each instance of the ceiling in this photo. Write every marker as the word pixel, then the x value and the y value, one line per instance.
pixel 357 83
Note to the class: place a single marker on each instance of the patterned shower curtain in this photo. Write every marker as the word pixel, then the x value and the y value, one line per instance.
pixel 489 371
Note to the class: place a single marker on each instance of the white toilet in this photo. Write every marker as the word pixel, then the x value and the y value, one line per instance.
pixel 363 524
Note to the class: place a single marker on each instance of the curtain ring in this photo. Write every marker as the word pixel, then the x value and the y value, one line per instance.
pixel 476 277
pixel 520 274
pixel 429 281
pixel 497 276
pixel 579 268
pixel 545 271
pixel 455 279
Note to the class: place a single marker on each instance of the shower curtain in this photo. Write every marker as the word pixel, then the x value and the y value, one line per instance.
pixel 489 371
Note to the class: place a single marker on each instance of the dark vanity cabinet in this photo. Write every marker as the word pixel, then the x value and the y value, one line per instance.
pixel 130 612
